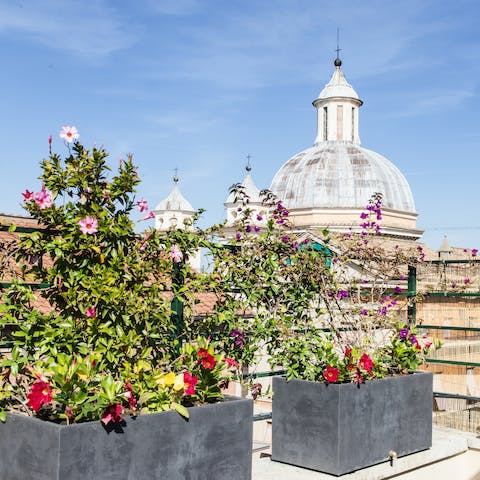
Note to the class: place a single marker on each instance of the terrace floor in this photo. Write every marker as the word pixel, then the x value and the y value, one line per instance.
pixel 454 455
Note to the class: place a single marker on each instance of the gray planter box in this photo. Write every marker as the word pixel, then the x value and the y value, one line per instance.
pixel 215 443
pixel 340 428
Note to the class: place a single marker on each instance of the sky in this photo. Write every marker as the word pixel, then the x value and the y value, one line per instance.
pixel 200 84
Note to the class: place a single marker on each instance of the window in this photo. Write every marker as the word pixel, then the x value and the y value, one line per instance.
pixel 325 123
pixel 353 124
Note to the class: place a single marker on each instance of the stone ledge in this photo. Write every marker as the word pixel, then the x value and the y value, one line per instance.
pixel 447 443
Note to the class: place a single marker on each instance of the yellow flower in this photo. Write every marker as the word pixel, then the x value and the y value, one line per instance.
pixel 166 380
pixel 179 383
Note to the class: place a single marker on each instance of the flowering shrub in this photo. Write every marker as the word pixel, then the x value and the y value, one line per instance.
pixel 323 307
pixel 109 345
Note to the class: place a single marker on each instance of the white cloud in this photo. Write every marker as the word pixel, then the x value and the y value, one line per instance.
pixel 85 28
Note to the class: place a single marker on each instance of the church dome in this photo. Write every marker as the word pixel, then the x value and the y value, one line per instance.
pixel 341 175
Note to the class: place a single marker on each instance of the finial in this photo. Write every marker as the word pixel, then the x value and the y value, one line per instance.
pixel 175 177
pixel 248 168
pixel 338 62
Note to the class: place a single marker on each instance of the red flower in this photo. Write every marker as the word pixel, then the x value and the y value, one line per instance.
pixel 113 413
pixel 40 393
pixel 348 351
pixel 331 374
pixel 365 362
pixel 190 381
pixel 132 401
pixel 358 376
pixel 207 359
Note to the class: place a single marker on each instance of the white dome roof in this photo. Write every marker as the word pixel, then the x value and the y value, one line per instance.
pixel 341 175
pixel 175 202
pixel 338 87
pixel 250 189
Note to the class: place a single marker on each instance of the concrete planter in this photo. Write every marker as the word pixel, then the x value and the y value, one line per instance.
pixel 340 428
pixel 215 443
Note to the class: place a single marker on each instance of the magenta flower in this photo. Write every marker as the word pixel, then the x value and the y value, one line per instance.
pixel 69 134
pixel 88 225
pixel 363 215
pixel 238 235
pixel 175 254
pixel 142 205
pixel 149 216
pixel 113 413
pixel 398 289
pixel 285 239
pixel 256 229
pixel 248 228
pixel 91 312
pixel 466 281
pixel 259 218
pixel 474 252
pixel 43 199
pixel 28 196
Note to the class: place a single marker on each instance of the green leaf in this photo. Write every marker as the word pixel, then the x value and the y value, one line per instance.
pixel 183 411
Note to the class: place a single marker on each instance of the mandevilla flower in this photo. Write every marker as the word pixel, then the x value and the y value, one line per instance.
pixel 69 134
pixel 113 413
pixel 231 362
pixel 40 393
pixel 175 254
pixel 132 401
pixel 148 216
pixel 206 359
pixel 28 196
pixel 91 312
pixel 43 199
pixel 142 205
pixel 365 362
pixel 88 225
pixel 190 382
pixel 331 374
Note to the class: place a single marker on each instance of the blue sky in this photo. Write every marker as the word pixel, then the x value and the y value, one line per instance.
pixel 199 84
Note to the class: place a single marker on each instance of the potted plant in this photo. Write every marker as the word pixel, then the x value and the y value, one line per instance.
pixel 330 311
pixel 101 383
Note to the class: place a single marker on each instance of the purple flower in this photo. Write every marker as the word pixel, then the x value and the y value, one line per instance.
pixel 474 252
pixel 363 215
pixel 285 238
pixel 413 339
pixel 403 333
pixel 364 312
pixel 256 229
pixel 238 336
pixel 238 235
pixel 248 229
pixel 398 289
pixel 341 294
pixel 259 218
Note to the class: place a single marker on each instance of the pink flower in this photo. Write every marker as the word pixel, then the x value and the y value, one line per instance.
pixel 91 312
pixel 142 205
pixel 69 134
pixel 132 401
pixel 113 413
pixel 88 225
pixel 175 254
pixel 149 216
pixel 143 245
pixel 40 393
pixel 231 362
pixel 28 196
pixel 43 199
